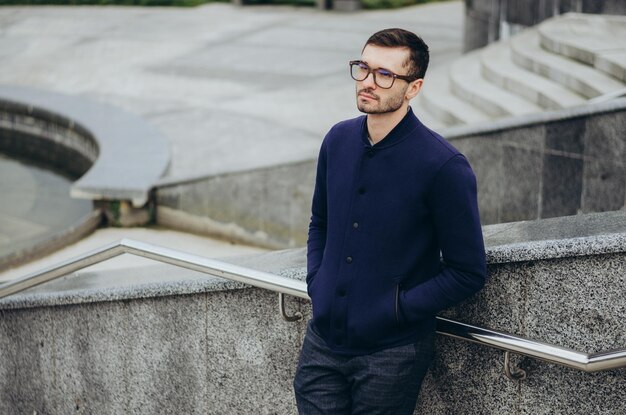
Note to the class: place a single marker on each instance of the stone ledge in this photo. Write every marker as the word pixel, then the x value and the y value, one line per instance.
pixel 574 236
pixel 566 236
pixel 133 155
pixel 529 120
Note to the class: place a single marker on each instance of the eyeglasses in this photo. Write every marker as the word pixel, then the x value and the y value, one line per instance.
pixel 359 70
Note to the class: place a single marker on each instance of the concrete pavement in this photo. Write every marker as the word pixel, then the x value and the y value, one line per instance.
pixel 231 88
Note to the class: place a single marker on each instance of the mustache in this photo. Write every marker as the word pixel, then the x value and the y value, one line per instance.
pixel 368 91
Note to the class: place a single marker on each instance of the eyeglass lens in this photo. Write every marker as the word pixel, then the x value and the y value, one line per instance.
pixel 382 77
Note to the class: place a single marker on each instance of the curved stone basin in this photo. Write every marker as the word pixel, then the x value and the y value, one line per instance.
pixel 35 207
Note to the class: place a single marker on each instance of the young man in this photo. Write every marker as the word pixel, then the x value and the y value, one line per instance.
pixel 394 238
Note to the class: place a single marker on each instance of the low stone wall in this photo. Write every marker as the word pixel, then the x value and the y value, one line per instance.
pixel 165 340
pixel 158 340
pixel 547 165
pixel 539 166
pixel 268 207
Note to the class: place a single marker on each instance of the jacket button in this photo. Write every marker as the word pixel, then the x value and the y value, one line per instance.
pixel 361 190
pixel 349 259
pixel 355 225
pixel 341 293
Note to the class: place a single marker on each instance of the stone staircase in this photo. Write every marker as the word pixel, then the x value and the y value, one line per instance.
pixel 567 61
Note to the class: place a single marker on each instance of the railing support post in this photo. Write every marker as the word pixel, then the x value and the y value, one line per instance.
pixel 297 316
pixel 514 373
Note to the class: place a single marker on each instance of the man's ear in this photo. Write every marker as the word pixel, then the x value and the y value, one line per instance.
pixel 414 88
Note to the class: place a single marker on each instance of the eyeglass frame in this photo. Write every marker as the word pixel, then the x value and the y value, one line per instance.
pixel 373 72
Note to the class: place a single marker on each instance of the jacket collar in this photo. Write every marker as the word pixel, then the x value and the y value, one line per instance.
pixel 401 131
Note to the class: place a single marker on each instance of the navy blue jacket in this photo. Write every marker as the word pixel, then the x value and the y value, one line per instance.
pixel 394 235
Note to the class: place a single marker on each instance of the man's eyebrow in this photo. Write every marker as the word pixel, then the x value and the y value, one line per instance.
pixel 384 69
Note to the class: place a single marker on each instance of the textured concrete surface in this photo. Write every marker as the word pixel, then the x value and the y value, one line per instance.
pixel 267 207
pixel 224 349
pixel 542 165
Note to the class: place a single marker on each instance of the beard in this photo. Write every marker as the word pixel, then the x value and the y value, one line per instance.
pixel 380 106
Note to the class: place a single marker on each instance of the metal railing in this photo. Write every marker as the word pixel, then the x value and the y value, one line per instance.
pixel 286 286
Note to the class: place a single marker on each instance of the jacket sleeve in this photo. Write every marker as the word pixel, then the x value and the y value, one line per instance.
pixel 316 241
pixel 453 204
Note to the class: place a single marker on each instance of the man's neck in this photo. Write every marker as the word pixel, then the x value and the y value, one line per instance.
pixel 379 125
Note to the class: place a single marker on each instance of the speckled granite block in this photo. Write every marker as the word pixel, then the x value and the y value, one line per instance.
pixel 89 355
pixel 486 158
pixel 578 303
pixel 251 353
pixel 182 342
pixel 522 181
pixel 466 379
pixel 568 292
pixel 551 389
pixel 497 306
pixel 26 362
pixel 165 355
pixel 562 186
pixel 604 179
pixel 604 186
pixel 566 136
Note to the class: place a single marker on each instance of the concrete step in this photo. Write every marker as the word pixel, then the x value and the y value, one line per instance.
pixel 526 51
pixel 498 67
pixel 437 100
pixel 467 83
pixel 534 71
pixel 597 40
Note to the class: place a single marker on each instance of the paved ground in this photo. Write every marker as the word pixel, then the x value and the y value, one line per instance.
pixel 230 87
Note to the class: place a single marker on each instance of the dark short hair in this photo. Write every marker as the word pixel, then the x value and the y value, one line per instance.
pixel 400 38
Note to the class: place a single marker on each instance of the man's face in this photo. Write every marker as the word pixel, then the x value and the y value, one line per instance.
pixel 372 99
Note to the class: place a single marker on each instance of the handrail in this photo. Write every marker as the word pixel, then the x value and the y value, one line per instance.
pixel 510 343
pixel 596 362
pixel 213 267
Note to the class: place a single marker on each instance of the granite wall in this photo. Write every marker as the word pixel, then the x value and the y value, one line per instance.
pixel 542 166
pixel 165 340
pixel 268 207
pixel 538 166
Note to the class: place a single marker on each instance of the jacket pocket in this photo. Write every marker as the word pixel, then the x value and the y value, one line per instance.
pixel 309 283
pixel 374 312
pixel 397 304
